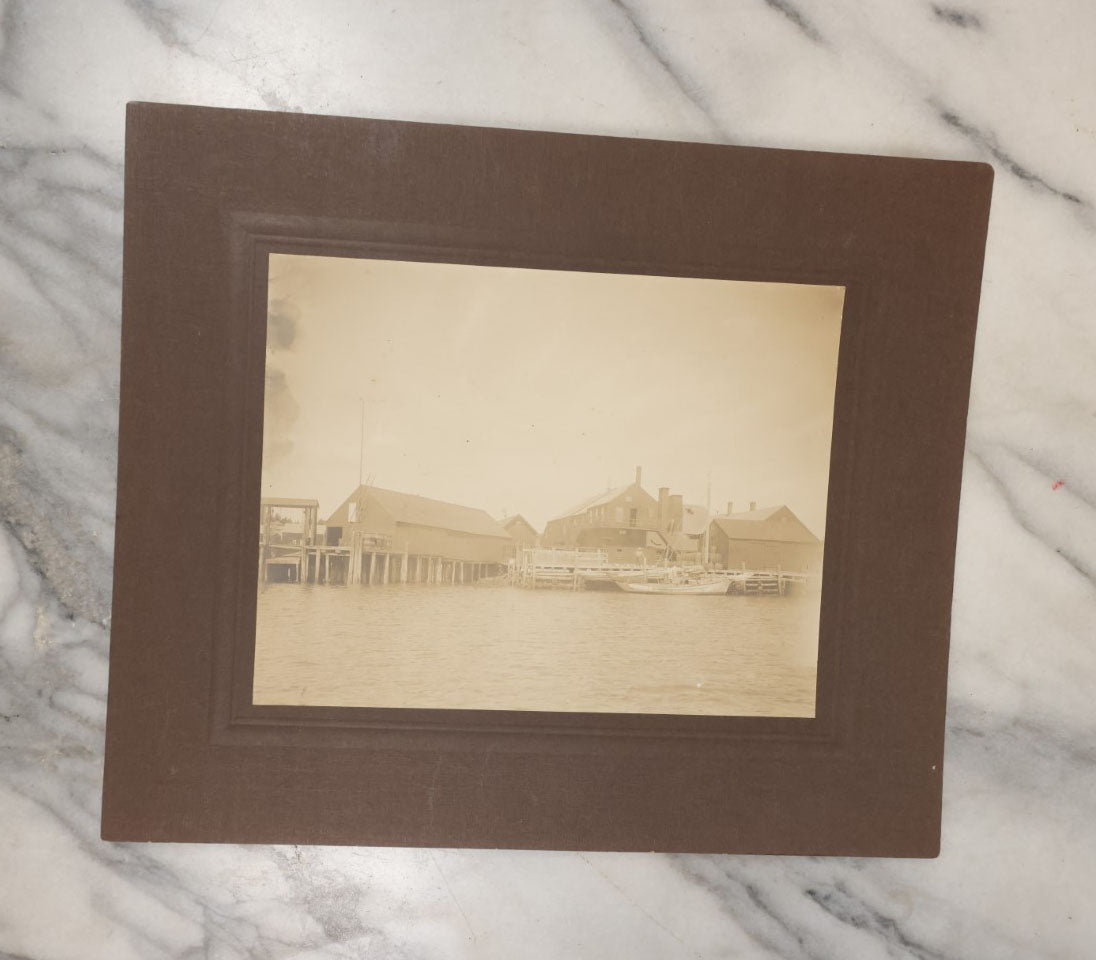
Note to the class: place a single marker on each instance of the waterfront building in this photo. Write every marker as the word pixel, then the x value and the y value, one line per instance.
pixel 626 523
pixel 392 536
pixel 521 531
pixel 769 538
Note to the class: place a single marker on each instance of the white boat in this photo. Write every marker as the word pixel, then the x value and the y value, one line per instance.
pixel 714 587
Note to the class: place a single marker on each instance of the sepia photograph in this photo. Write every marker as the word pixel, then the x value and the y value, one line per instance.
pixel 499 488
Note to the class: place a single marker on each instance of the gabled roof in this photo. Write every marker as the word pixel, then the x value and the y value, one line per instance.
pixel 423 512
pixel 601 498
pixel 515 518
pixel 769 523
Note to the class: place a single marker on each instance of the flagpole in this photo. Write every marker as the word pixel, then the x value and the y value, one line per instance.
pixel 361 444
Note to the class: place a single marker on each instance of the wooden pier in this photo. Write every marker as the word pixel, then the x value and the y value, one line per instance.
pixel 343 566
pixel 291 552
pixel 301 556
pixel 578 569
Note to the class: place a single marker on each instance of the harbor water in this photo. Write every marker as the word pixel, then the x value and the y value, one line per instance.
pixel 503 648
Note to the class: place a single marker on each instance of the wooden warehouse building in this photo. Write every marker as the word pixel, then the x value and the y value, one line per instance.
pixel 522 532
pixel 769 538
pixel 397 537
pixel 626 523
pixel 618 507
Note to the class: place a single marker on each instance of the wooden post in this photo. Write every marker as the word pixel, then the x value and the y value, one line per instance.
pixel 387 565
pixel 403 565
pixel 372 568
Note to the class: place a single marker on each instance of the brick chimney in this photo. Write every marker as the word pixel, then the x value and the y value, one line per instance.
pixel 753 506
pixel 639 476
pixel 730 507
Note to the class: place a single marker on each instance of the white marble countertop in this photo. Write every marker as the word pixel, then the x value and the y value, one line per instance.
pixel 1014 84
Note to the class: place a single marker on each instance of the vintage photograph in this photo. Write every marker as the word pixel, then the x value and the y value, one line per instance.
pixel 500 488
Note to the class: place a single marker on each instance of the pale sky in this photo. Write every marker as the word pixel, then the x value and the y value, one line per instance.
pixel 526 391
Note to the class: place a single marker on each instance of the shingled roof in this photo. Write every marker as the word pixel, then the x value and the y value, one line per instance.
pixel 423 512
pixel 769 523
pixel 596 501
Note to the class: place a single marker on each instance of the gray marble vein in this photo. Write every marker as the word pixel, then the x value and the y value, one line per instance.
pixel 1002 83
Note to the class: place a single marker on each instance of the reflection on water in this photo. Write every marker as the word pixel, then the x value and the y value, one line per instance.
pixel 504 648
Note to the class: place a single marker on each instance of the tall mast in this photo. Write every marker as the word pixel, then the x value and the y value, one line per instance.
pixel 708 520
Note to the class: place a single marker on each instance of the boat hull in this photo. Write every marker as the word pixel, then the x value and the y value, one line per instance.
pixel 713 588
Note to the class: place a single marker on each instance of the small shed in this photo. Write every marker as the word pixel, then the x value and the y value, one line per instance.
pixel 521 531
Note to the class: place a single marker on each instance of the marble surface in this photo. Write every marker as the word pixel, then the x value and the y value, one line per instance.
pixel 1014 84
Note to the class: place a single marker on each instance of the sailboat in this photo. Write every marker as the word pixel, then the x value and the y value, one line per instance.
pixel 700 587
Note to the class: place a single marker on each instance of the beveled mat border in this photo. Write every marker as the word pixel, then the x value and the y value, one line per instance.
pixel 210 192
pixel 237 719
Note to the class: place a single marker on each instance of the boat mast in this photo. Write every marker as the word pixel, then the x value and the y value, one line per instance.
pixel 708 519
